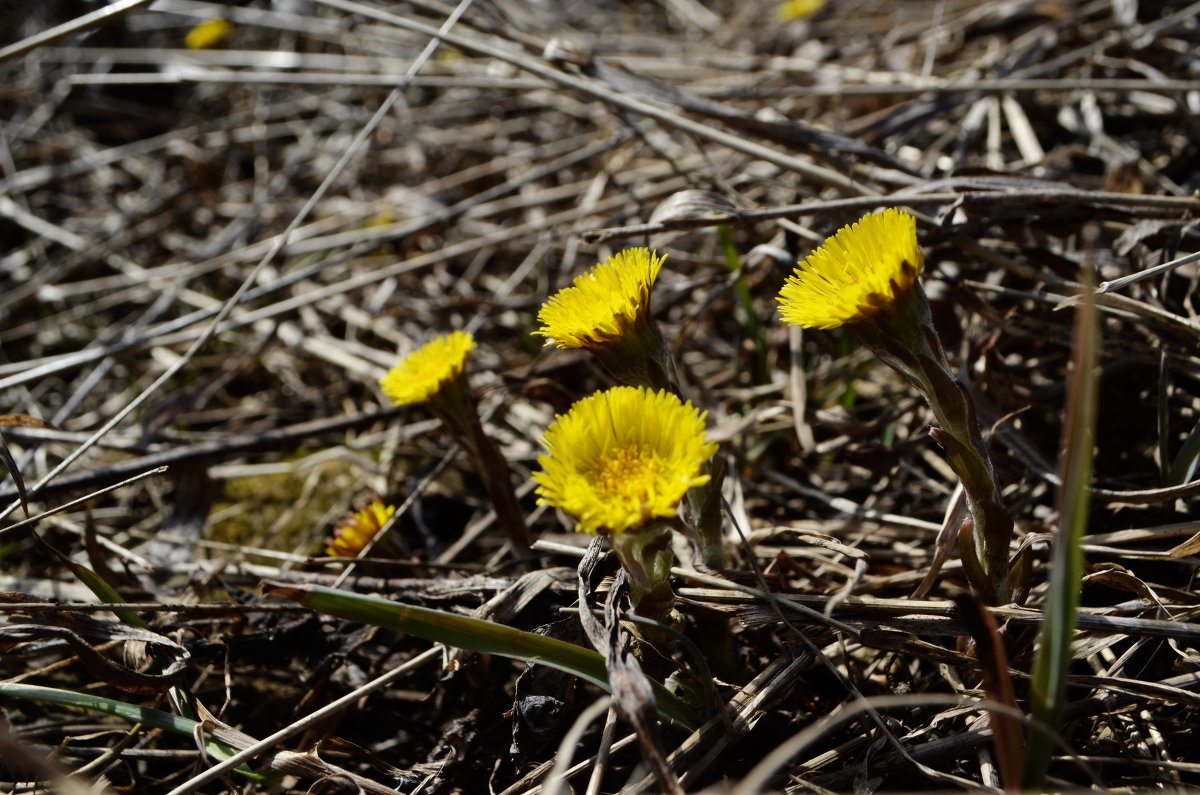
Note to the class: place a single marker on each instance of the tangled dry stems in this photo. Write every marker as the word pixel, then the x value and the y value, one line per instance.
pixel 144 185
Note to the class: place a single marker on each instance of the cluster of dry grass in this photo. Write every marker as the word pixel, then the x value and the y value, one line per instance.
pixel 209 257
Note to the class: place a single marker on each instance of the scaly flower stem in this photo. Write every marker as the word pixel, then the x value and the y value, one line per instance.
pixel 640 359
pixel 645 554
pixel 905 339
pixel 704 506
pixel 456 409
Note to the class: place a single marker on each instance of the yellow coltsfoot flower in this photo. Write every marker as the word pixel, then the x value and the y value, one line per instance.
pixel 607 312
pixel 208 34
pixel 604 305
pixel 352 534
pixel 798 9
pixel 620 461
pixel 427 370
pixel 621 458
pixel 865 278
pixel 435 374
pixel 862 271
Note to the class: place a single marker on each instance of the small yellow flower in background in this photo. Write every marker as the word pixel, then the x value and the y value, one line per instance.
pixel 862 270
pixel 434 375
pixel 208 34
pixel 429 368
pixel 606 304
pixel 623 457
pixel 798 9
pixel 354 532
pixel 449 57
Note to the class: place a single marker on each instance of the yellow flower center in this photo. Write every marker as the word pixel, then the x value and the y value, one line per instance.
pixel 628 473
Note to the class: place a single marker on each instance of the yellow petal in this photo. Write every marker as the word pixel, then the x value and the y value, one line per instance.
pixel 426 370
pixel 622 457
pixel 857 273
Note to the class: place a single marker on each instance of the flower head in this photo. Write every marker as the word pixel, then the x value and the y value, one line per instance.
pixel 622 457
pixel 858 273
pixel 429 368
pixel 608 303
pixel 354 532
pixel 798 9
pixel 208 34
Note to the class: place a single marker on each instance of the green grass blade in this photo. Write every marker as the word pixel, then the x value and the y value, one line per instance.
pixel 1183 468
pixel 155 719
pixel 97 585
pixel 473 634
pixel 754 329
pixel 1163 417
pixel 104 592
pixel 1049 682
